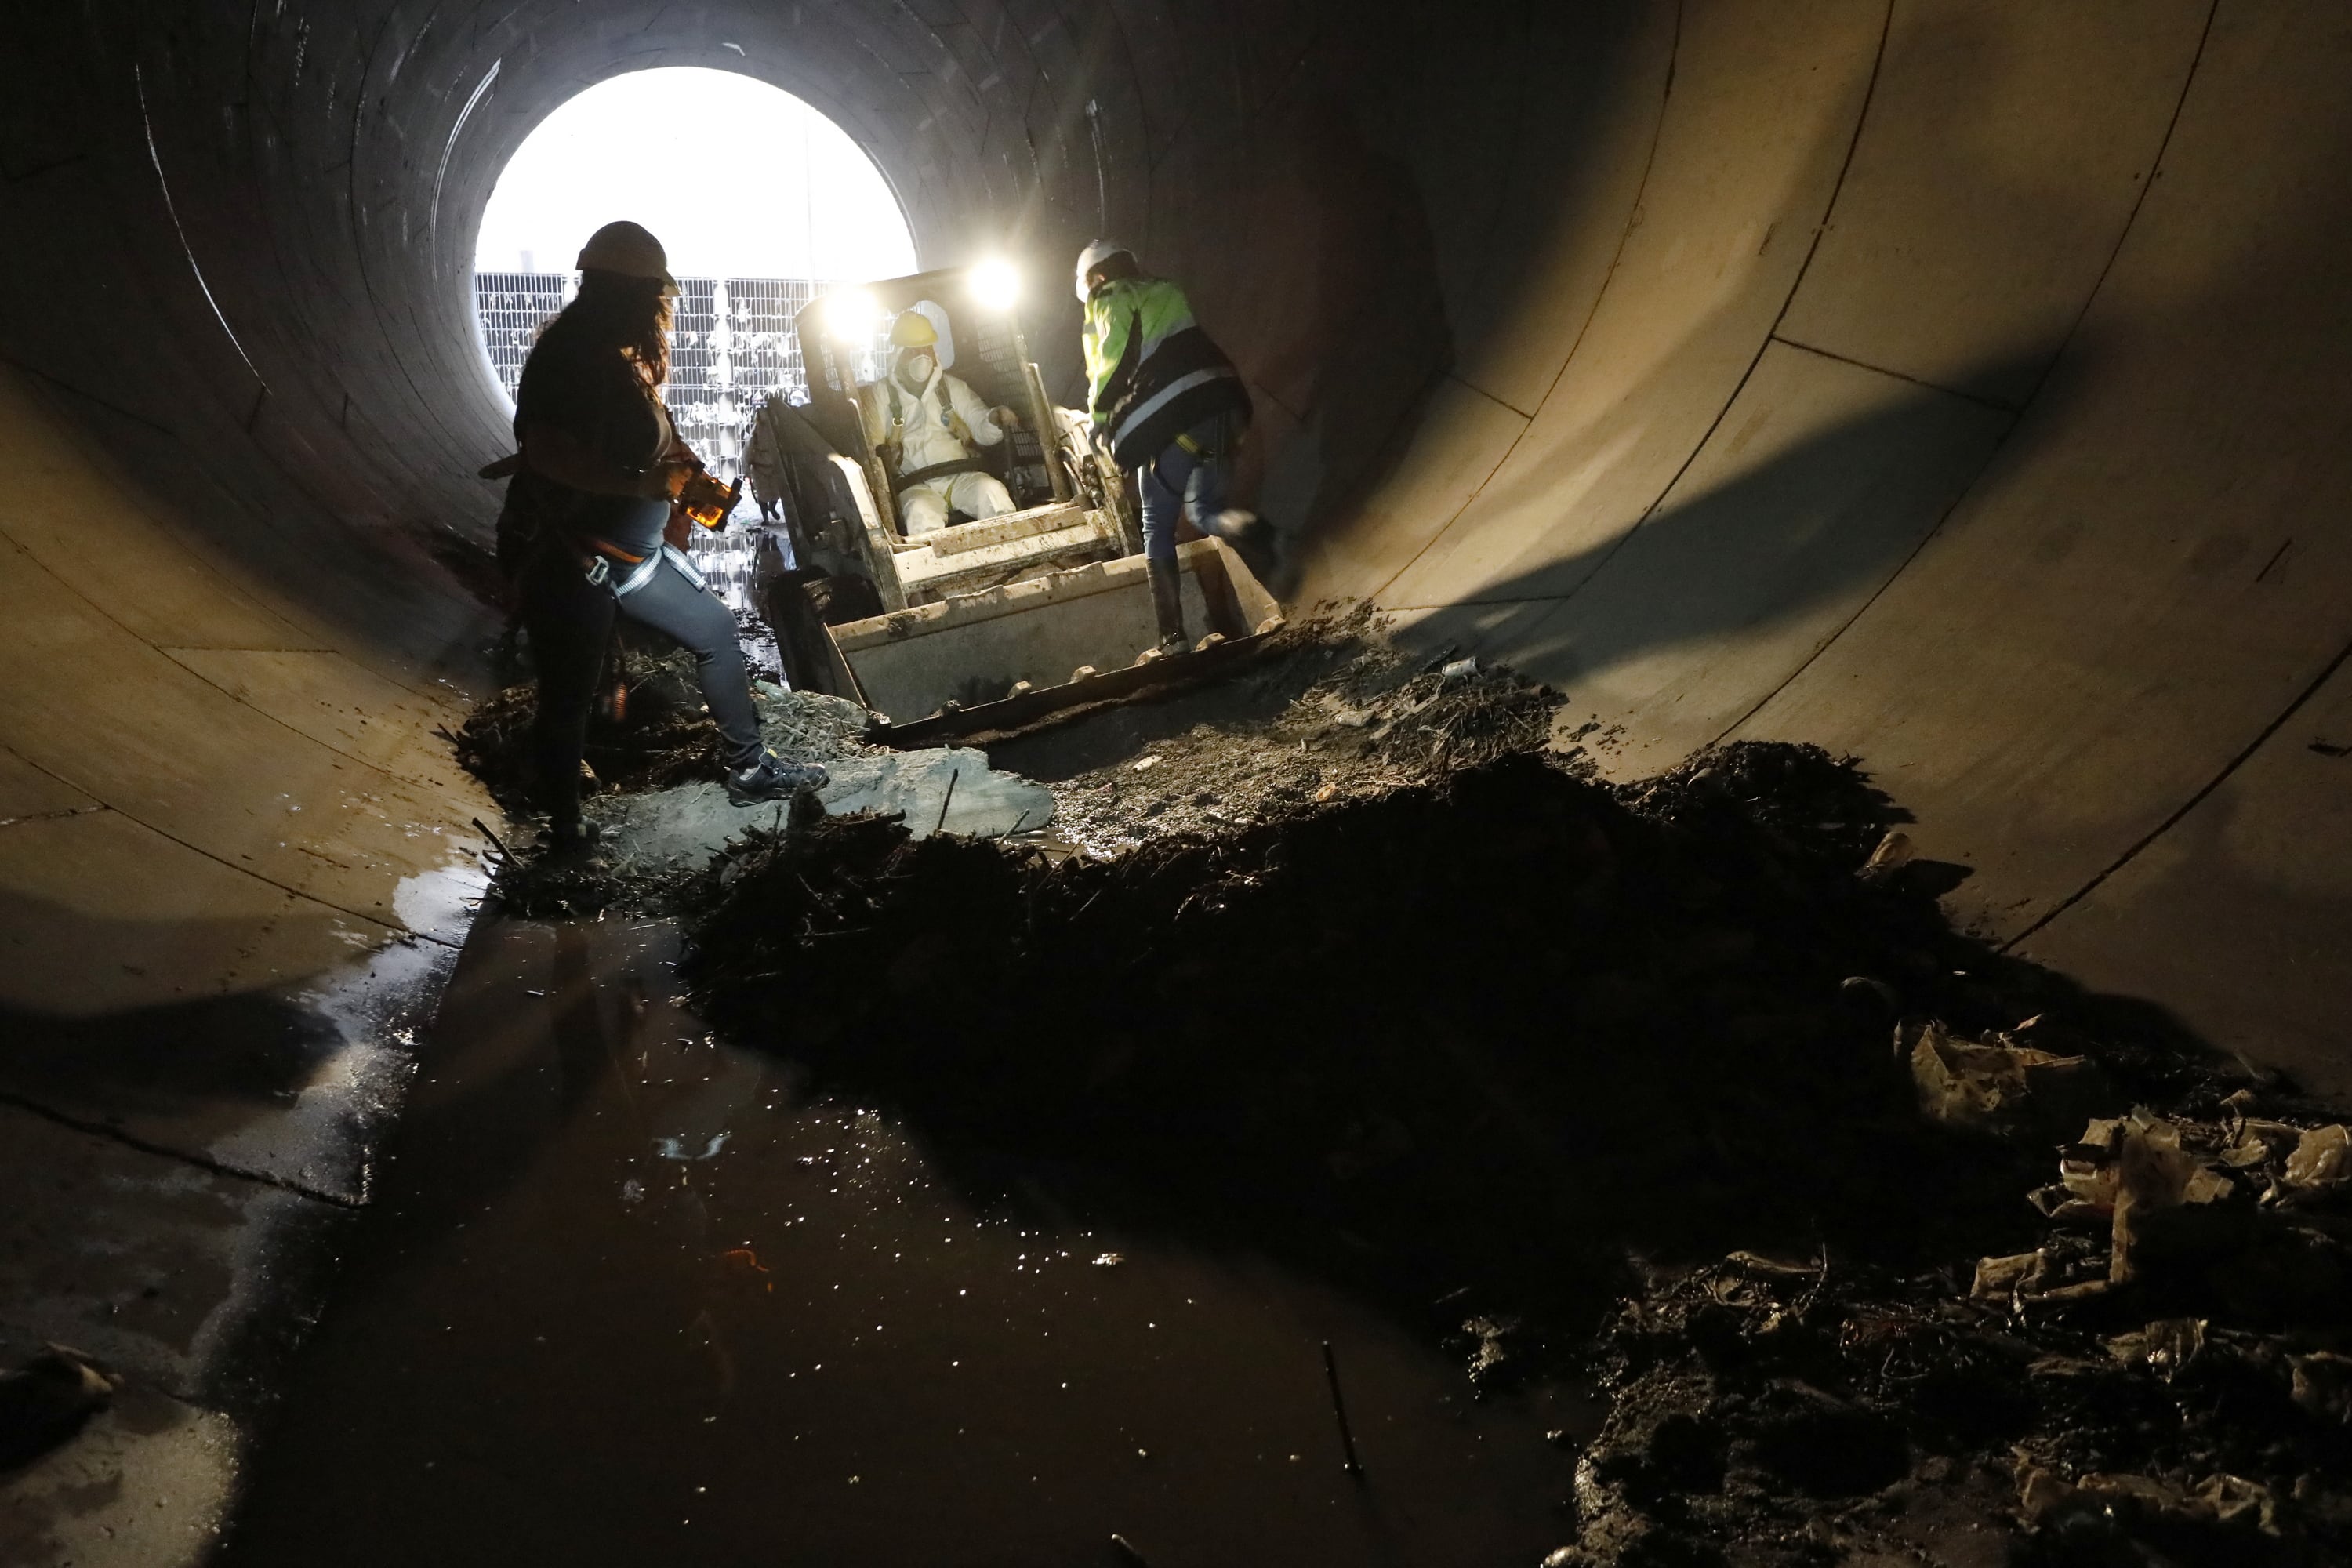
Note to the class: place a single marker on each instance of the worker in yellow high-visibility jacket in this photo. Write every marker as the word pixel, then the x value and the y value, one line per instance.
pixel 1172 407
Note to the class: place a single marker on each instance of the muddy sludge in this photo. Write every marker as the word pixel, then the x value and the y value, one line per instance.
pixel 1608 1086
pixel 1589 1082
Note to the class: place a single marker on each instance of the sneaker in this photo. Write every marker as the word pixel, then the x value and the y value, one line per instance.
pixel 772 778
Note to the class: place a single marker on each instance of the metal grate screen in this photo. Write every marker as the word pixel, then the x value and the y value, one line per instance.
pixel 731 343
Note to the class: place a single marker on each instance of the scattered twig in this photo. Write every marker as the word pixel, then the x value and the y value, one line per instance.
pixel 483 829
pixel 1339 1408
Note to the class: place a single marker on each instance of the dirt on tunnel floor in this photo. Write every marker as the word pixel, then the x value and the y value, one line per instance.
pixel 1873 1240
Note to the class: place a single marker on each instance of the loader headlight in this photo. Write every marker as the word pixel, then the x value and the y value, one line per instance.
pixel 995 284
pixel 851 316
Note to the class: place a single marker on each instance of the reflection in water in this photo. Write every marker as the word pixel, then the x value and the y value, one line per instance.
pixel 561 1341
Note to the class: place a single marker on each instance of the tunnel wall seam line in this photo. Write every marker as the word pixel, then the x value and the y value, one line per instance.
pixel 2131 219
pixel 261 399
pixel 103 614
pixel 394 932
pixel 171 210
pixel 64 160
pixel 449 148
pixel 64 386
pixel 198 460
pixel 57 816
pixel 2312 690
pixel 356 211
pixel 179 1156
pixel 180 648
pixel 2090 298
pixel 1772 334
pixel 1996 404
pixel 1875 594
pixel 1616 258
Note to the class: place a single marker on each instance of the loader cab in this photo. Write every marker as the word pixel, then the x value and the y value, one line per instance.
pixel 1013 608
pixel 844 342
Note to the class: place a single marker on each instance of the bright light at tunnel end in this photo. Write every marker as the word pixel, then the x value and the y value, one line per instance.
pixel 852 315
pixel 995 284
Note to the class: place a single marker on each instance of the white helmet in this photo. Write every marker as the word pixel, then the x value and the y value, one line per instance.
pixel 1093 256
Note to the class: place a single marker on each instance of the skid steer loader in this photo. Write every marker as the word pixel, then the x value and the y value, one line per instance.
pixel 983 625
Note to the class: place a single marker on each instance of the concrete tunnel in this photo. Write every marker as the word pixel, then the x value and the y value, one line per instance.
pixel 1958 385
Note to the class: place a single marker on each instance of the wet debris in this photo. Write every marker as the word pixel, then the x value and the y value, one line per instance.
pixel 1379 719
pixel 1849 1221
pixel 650 769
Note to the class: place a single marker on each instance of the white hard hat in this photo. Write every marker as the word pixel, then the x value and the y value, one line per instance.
pixel 1093 256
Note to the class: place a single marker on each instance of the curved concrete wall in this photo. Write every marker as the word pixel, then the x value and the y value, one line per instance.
pixel 1955 384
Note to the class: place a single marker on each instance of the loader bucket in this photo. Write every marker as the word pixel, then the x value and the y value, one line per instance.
pixel 956 666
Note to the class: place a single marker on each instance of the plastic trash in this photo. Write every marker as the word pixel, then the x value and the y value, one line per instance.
pixel 2321 1159
pixel 1894 852
pixel 2323 1384
pixel 2001 1087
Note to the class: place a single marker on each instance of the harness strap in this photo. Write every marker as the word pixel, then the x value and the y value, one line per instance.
pixel 941 470
pixel 643 573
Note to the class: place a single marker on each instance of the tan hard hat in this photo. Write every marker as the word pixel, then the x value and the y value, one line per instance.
pixel 913 329
pixel 628 250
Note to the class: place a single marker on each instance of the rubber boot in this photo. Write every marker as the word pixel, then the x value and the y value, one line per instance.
pixel 1167 606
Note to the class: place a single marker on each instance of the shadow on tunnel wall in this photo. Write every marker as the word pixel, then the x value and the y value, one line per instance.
pixel 1820 527
pixel 1412 179
pixel 1736 553
pixel 287 1069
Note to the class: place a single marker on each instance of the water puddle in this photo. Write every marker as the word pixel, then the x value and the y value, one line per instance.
pixel 628 1296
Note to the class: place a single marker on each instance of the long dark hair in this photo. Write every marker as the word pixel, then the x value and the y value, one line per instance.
pixel 631 314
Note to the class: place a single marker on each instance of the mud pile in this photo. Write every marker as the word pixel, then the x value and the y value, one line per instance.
pixel 1355 717
pixel 656 737
pixel 1609 1084
pixel 654 749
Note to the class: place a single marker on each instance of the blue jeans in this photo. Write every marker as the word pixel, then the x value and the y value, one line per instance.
pixel 570 622
pixel 1178 484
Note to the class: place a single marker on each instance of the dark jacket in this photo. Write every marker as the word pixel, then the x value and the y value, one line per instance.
pixel 1152 373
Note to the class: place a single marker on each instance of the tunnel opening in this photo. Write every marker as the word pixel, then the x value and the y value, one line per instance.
pixel 761 201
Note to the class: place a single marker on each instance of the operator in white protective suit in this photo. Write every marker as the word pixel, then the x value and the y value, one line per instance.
pixel 921 418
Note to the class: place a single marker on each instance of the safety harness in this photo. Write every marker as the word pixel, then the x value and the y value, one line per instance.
pixel 639 570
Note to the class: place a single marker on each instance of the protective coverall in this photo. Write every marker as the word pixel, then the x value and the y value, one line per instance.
pixel 930 425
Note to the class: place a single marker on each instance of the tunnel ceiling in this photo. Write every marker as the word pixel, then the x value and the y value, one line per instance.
pixel 1955 385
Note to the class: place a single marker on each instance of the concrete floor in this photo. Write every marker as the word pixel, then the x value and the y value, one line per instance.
pixel 626 1295
pixel 1954 382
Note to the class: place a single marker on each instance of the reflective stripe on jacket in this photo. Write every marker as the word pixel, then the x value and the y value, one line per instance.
pixel 1151 371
